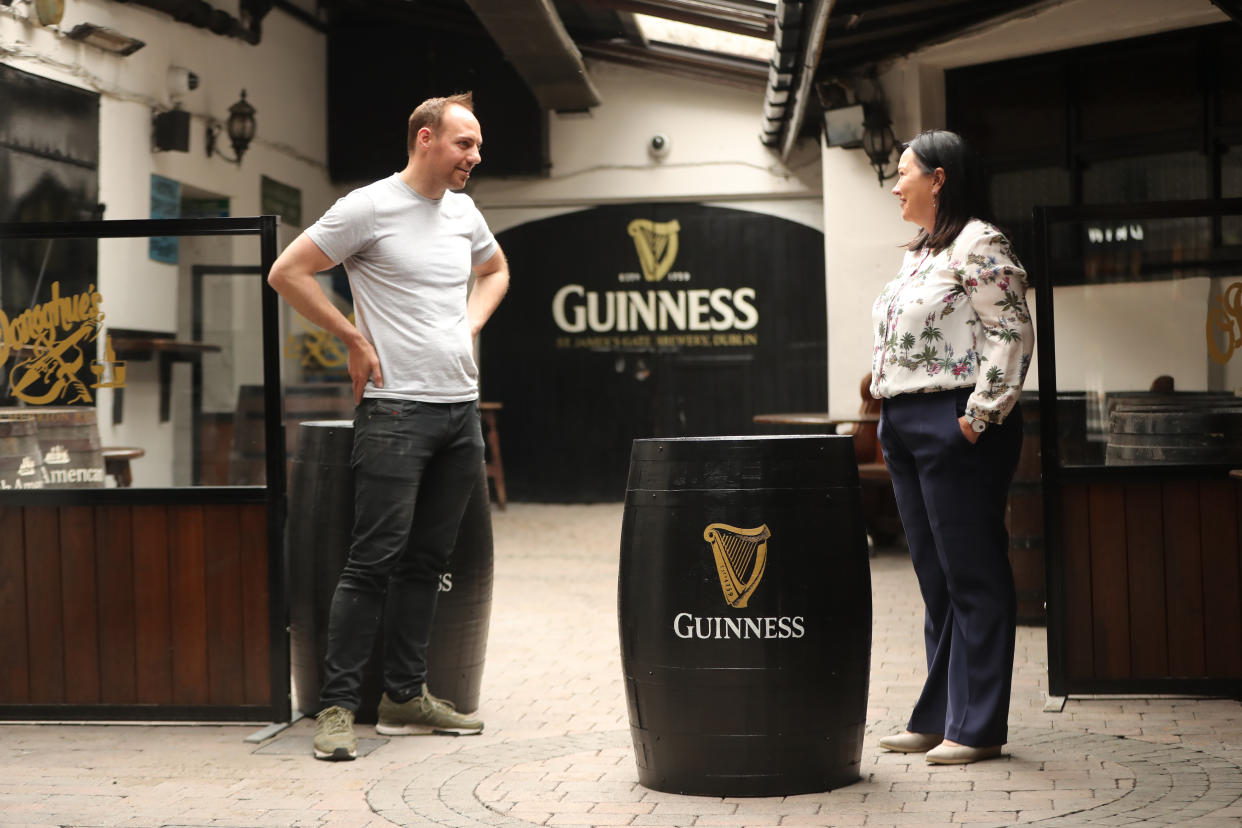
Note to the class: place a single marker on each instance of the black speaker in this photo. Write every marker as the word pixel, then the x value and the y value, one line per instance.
pixel 172 130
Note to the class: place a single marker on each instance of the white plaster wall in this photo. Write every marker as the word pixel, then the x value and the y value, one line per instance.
pixel 863 234
pixel 601 157
pixel 286 81
pixel 862 228
pixel 1121 337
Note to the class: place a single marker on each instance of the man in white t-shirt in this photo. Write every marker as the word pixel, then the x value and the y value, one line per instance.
pixel 409 245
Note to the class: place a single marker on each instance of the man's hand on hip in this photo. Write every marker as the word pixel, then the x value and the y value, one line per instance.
pixel 364 365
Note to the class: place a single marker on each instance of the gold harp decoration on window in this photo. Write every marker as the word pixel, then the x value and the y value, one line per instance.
pixel 656 243
pixel 1224 324
pixel 741 555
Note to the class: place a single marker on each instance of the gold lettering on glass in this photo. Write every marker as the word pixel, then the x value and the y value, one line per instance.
pixel 49 344
pixel 1224 324
pixel 316 348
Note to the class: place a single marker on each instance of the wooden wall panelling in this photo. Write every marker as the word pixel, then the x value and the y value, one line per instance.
pixel 1076 559
pixel 256 620
pixel 1222 614
pixel 1110 605
pixel 189 605
pixel 1149 649
pixel 80 604
pixel 45 619
pixel 118 634
pixel 223 587
pixel 14 648
pixel 1184 577
pixel 152 605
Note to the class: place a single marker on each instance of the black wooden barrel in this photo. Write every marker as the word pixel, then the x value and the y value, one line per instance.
pixel 1192 430
pixel 21 462
pixel 312 401
pixel 69 440
pixel 321 511
pixel 744 602
pixel 1024 518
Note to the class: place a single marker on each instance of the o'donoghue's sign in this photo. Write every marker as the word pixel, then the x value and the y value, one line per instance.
pixel 51 343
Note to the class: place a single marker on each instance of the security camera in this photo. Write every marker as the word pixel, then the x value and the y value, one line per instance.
pixel 181 80
pixel 658 146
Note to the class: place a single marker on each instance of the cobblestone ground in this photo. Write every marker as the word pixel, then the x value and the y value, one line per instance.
pixel 556 750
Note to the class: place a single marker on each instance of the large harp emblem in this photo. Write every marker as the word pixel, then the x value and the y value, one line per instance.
pixel 741 555
pixel 656 243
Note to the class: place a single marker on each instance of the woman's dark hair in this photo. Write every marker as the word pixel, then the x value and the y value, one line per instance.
pixel 963 195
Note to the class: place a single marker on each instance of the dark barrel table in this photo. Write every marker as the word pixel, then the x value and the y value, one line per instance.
pixel 744 602
pixel 321 516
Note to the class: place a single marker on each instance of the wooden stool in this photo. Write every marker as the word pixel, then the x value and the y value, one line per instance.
pixel 495 469
pixel 116 463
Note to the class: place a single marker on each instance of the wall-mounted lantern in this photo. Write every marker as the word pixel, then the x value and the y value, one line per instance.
pixel 240 128
pixel 878 140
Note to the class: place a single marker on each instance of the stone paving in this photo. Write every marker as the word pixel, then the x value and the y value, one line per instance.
pixel 557 751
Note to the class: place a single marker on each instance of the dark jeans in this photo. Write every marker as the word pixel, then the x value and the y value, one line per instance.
pixel 951 496
pixel 414 464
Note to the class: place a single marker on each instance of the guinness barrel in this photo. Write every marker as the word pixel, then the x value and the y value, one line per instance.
pixel 321 516
pixel 314 401
pixel 69 440
pixel 21 462
pixel 1177 429
pixel 744 599
pixel 1024 518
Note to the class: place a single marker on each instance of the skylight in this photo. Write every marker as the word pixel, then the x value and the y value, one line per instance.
pixel 701 37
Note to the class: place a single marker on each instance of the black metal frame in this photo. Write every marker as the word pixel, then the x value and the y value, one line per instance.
pixel 273 494
pixel 1052 470
pixel 197 274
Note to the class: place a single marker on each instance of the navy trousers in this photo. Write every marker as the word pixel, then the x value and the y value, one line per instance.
pixel 415 464
pixel 951 496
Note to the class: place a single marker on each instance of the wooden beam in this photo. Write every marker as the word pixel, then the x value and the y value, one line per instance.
pixel 1233 8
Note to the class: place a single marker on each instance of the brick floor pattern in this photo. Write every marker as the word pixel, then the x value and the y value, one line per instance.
pixel 557 749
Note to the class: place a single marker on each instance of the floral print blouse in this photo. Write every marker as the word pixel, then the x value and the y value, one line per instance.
pixel 956 319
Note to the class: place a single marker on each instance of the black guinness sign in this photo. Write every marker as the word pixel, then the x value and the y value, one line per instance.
pixel 648 319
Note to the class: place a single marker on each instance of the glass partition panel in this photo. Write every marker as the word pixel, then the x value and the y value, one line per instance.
pixel 1148 323
pixel 134 361
pixel 1231 187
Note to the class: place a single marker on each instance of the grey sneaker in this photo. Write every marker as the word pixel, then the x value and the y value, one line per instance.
pixel 423 714
pixel 334 738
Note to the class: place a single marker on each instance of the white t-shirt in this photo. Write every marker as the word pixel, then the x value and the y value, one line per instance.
pixel 409 260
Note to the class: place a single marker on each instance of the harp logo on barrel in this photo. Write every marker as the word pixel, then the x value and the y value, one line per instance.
pixel 741 556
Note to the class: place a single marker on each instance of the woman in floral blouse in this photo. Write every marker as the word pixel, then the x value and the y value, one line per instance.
pixel 953 341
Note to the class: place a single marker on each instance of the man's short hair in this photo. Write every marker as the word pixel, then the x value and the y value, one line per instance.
pixel 430 114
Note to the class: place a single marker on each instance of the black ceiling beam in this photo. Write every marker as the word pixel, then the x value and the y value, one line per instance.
pixel 449 16
pixel 925 22
pixel 895 36
pixel 1233 8
pixel 853 14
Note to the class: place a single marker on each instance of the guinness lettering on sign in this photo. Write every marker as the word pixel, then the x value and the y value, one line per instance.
pixel 645 314
pixel 741 558
pixel 574 308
